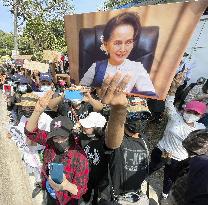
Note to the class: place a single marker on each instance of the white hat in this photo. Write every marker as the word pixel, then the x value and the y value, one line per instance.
pixel 94 119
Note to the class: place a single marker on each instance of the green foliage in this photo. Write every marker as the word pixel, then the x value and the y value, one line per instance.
pixel 6 43
pixel 47 9
pixel 112 4
pixel 44 26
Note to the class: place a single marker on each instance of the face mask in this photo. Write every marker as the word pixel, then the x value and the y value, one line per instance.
pixel 61 147
pixel 22 88
pixel 138 127
pixel 45 88
pixel 27 114
pixel 189 118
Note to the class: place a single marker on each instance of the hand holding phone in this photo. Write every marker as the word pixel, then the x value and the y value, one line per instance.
pixel 56 172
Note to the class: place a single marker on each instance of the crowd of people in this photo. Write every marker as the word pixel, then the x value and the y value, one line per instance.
pixel 99 145
pixel 105 154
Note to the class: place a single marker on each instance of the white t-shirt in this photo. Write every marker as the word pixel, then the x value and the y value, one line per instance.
pixel 30 153
pixel 176 131
pixel 140 78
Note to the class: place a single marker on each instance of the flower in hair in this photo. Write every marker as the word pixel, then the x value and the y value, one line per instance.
pixel 102 47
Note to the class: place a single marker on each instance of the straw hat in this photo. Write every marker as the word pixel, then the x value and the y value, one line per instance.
pixel 28 100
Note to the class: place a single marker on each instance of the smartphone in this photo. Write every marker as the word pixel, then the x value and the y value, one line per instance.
pixel 56 172
pixel 73 95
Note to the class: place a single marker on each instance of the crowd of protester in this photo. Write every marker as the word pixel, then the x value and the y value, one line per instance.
pixel 102 145
pixel 98 142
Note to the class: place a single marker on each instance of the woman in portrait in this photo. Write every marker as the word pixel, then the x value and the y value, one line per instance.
pixel 119 36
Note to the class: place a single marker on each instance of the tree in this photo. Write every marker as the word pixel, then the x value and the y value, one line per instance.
pixel 47 9
pixel 44 26
pixel 6 43
pixel 116 4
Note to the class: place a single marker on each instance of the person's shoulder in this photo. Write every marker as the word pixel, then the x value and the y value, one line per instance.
pixel 200 159
pixel 199 163
pixel 78 153
pixel 93 65
pixel 200 125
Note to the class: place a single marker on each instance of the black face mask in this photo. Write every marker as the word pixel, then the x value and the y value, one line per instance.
pixel 27 114
pixel 136 127
pixel 61 147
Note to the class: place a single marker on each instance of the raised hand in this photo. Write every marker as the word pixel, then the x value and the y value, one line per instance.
pixel 87 97
pixel 112 90
pixel 178 80
pixel 43 102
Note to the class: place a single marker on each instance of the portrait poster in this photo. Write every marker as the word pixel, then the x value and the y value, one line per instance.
pixel 156 51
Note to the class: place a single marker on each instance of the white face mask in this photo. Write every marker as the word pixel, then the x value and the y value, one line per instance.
pixel 45 88
pixel 189 118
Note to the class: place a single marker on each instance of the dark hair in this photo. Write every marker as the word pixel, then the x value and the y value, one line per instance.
pixel 197 142
pixel 205 87
pixel 128 18
pixel 99 132
pixel 12 71
pixel 18 68
pixel 29 72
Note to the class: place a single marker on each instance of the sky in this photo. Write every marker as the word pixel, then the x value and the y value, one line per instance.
pixel 81 6
pixel 6 19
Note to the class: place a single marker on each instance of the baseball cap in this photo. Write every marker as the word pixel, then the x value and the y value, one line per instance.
pixel 196 106
pixel 94 119
pixel 45 77
pixel 201 80
pixel 22 80
pixel 60 126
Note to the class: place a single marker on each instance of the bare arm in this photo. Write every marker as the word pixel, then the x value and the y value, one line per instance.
pixel 112 94
pixel 33 121
pixel 96 104
pixel 54 102
pixel 115 129
pixel 39 109
pixel 177 81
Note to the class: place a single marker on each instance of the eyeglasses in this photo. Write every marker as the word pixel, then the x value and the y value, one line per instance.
pixel 118 44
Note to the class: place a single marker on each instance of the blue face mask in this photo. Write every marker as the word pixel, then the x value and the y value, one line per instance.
pixel 45 88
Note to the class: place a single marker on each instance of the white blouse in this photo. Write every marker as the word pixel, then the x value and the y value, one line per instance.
pixel 176 131
pixel 139 76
